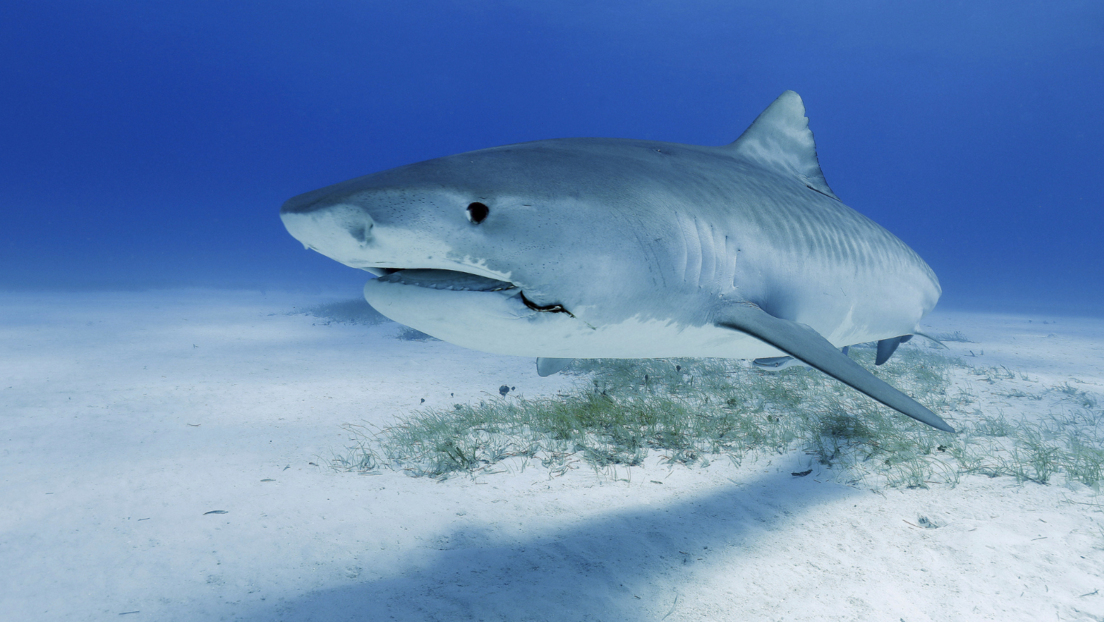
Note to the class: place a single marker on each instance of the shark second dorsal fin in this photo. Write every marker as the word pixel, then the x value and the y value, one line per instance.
pixel 780 140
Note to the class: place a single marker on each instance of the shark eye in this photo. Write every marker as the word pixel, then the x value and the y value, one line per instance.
pixel 477 212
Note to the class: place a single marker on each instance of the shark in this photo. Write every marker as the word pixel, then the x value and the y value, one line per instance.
pixel 618 248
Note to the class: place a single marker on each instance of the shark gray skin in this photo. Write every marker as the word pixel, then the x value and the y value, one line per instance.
pixel 597 247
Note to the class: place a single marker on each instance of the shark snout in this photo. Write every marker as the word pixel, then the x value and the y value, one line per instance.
pixel 307 202
pixel 337 231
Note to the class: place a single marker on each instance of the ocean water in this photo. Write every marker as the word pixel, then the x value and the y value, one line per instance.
pixel 150 145
pixel 173 440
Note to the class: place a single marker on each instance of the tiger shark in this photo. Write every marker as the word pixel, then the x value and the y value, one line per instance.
pixel 616 248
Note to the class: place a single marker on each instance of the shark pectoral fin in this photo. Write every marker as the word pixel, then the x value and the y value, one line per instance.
pixel 808 346
pixel 547 367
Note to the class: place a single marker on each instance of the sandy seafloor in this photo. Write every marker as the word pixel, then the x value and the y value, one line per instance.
pixel 125 417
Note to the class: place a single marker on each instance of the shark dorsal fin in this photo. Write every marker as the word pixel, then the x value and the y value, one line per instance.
pixel 780 140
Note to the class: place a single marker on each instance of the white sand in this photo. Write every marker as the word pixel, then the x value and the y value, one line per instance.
pixel 125 417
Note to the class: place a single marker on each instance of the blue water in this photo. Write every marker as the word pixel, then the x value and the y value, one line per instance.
pixel 149 144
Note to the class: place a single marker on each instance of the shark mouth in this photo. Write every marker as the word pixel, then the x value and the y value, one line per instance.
pixel 445 279
pixel 452 280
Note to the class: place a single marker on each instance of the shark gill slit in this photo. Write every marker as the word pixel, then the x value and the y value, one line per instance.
pixel 709 241
pixel 693 251
pixel 707 251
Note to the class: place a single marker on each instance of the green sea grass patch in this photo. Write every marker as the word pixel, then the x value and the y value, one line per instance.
pixel 695 411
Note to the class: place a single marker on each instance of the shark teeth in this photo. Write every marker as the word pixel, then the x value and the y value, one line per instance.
pixel 449 280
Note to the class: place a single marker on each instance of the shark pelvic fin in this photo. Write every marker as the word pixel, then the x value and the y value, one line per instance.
pixel 886 348
pixel 776 363
pixel 808 346
pixel 547 367
pixel 780 140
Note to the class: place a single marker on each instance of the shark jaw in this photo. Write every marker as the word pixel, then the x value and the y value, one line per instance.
pixel 449 280
pixel 453 280
pixel 473 311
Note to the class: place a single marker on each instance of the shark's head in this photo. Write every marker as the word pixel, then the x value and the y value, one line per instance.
pixel 480 247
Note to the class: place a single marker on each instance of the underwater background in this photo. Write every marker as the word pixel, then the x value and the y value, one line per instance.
pixel 148 145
